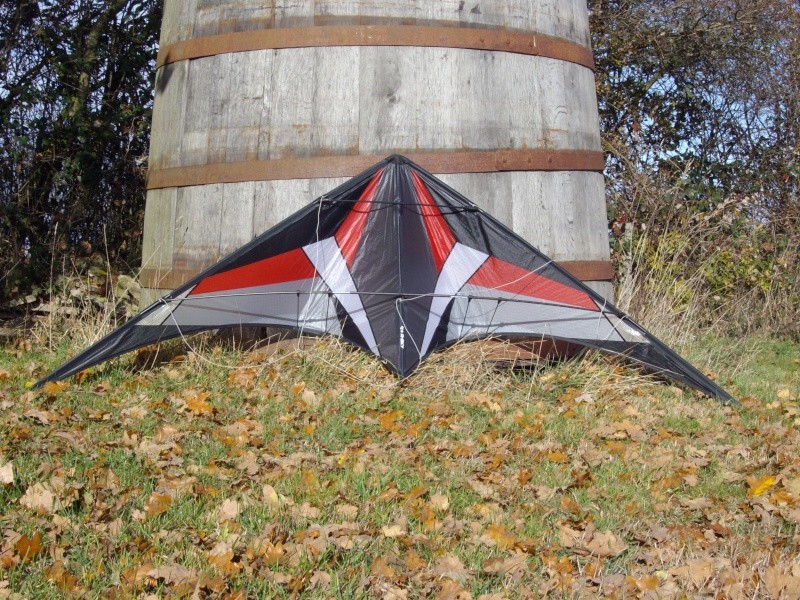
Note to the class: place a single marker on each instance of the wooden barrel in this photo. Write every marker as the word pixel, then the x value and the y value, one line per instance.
pixel 263 105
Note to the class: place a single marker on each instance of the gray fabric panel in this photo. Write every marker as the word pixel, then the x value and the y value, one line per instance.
pixel 478 318
pixel 281 305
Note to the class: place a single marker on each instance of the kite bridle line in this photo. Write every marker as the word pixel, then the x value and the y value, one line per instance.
pixel 261 366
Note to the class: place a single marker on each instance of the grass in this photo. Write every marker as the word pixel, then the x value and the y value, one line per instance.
pixel 348 484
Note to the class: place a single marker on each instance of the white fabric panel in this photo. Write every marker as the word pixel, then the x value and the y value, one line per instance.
pixel 331 265
pixel 460 265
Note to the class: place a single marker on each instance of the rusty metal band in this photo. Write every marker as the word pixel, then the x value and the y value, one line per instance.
pixel 166 279
pixel 437 161
pixel 498 40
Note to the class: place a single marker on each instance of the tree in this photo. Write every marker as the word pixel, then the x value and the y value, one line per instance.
pixel 708 88
pixel 75 102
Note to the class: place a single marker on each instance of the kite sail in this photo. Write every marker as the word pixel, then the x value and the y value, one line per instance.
pixel 400 264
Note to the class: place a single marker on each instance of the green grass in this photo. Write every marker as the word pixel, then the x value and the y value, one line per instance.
pixel 513 453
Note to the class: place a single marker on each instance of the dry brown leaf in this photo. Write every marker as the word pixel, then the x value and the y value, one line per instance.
pixel 228 511
pixel 696 570
pixel 696 503
pixel 40 498
pixel 381 568
pixel 392 592
pixel 389 420
pixel 63 579
pixel 397 529
pixel 348 511
pixel 29 547
pixel 450 566
pixel 221 556
pixel 440 502
pixel 157 504
pixel 52 388
pixel 6 473
pixel 513 565
pixel 306 511
pixel 483 490
pixel 452 590
pixel 781 585
pixel 606 544
pixel 568 504
pixel 273 499
pixel 792 486
pixel 558 457
pixel 648 583
pixel 497 535
pixel 320 580
pixel 181 579
pixel 414 561
pixel 197 402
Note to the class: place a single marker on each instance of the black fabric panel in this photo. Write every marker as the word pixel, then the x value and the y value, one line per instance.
pixel 657 358
pixel 310 224
pixel 376 270
pixel 125 339
pixel 350 332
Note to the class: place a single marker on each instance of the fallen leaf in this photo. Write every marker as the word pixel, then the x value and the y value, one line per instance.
pixel 29 547
pixel 440 502
pixel 181 579
pixel 697 570
pixel 40 498
pixel 696 503
pixel 781 585
pixel 452 590
pixel 451 567
pixel 7 474
pixel 506 566
pixel 306 511
pixel 606 544
pixel 221 556
pixel 558 457
pixel 63 579
pixel 51 388
pixel 197 402
pixel 228 511
pixel 395 530
pixel 320 580
pixel 381 568
pixel 348 511
pixel 497 535
pixel 157 504
pixel 272 498
pixel 389 420
pixel 483 490
pixel 759 486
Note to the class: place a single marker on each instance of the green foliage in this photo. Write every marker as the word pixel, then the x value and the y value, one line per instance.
pixel 75 102
pixel 705 88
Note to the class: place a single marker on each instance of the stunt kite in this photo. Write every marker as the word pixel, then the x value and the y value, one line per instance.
pixel 401 265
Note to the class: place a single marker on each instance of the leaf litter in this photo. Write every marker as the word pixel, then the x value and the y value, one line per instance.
pixel 299 480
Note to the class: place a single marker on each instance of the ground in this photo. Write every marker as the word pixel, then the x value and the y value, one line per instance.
pixel 314 473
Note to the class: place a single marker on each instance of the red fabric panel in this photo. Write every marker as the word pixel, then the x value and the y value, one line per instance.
pixel 499 275
pixel 349 233
pixel 441 238
pixel 289 266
